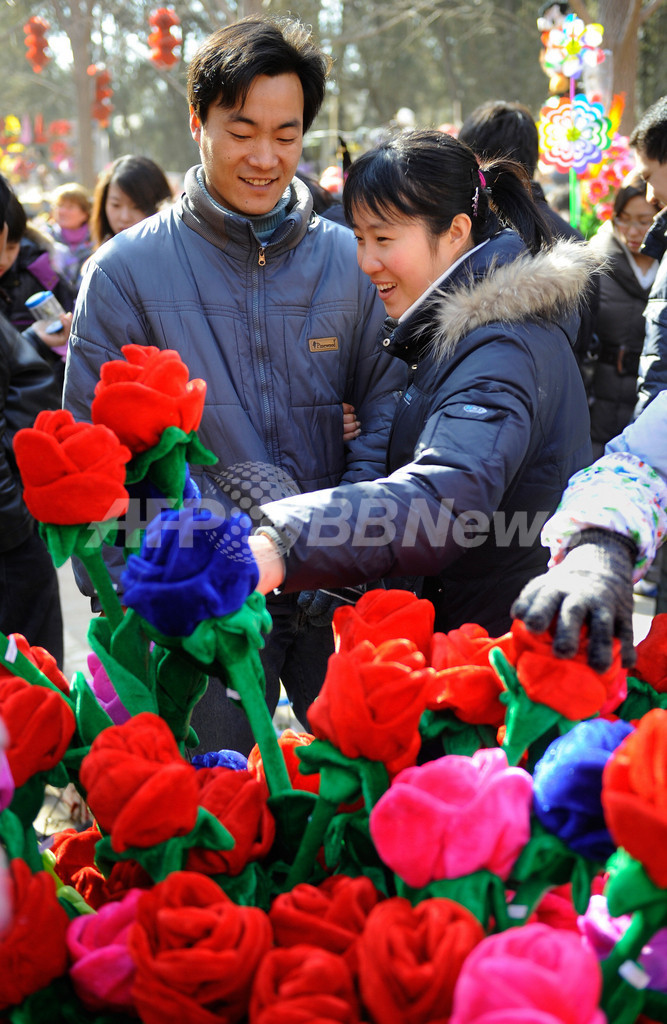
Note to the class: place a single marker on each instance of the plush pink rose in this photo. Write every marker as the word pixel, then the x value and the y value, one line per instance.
pixel 529 975
pixel 105 692
pixel 102 969
pixel 453 816
pixel 6 777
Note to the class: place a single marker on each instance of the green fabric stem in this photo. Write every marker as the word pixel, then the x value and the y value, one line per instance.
pixel 99 577
pixel 525 720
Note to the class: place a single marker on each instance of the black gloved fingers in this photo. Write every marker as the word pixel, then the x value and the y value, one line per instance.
pixel 600 638
pixel 571 617
pixel 537 603
pixel 625 632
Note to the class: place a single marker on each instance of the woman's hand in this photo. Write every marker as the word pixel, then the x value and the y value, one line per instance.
pixel 56 338
pixel 351 425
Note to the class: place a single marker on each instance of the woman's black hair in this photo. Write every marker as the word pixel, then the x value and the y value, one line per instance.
pixel 16 220
pixel 432 176
pixel 138 177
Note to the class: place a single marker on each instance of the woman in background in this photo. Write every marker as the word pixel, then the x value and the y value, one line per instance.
pixel 127 192
pixel 619 326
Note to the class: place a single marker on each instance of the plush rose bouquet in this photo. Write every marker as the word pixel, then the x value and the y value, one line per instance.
pixel 397 864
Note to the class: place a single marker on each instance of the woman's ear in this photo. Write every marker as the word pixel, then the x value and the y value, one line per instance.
pixel 459 232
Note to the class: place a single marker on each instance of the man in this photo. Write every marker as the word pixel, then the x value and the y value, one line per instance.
pixel 613 515
pixel 29 597
pixel 499 128
pixel 264 302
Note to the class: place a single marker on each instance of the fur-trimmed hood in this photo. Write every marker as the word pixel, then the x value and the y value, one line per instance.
pixel 549 285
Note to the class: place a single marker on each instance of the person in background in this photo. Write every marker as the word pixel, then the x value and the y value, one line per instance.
pixel 129 190
pixel 501 128
pixel 494 419
pixel 29 596
pixel 263 301
pixel 619 323
pixel 26 267
pixel 70 227
pixel 613 516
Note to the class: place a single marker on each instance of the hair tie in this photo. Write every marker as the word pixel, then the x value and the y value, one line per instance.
pixel 482 179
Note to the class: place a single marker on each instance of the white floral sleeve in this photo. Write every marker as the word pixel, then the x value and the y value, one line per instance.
pixel 620 492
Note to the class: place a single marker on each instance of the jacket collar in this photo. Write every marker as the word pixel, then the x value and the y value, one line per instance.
pixel 500 283
pixel 229 231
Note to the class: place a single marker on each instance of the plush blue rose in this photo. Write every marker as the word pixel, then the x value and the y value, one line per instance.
pixel 220 759
pixel 192 566
pixel 567 783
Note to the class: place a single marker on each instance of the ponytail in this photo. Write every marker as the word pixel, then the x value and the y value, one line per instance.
pixel 507 196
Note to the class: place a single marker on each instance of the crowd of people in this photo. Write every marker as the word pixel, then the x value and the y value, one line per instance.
pixel 395 392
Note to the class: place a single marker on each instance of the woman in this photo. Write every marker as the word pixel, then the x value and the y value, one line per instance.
pixel 494 420
pixel 127 192
pixel 619 325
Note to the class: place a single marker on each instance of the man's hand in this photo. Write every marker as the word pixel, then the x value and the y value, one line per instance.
pixel 591 586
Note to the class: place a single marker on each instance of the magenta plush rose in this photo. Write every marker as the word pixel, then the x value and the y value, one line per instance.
pixel 534 974
pixel 453 816
pixel 102 970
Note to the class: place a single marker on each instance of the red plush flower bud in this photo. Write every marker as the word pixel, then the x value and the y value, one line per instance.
pixel 288 742
pixel 568 685
pixel 40 725
pixel 44 661
pixel 132 774
pixel 466 684
pixel 303 985
pixel 238 800
pixel 75 863
pixel 331 915
pixel 651 664
pixel 410 958
pixel 381 615
pixel 195 951
pixel 371 702
pixel 633 794
pixel 140 396
pixel 32 949
pixel 72 472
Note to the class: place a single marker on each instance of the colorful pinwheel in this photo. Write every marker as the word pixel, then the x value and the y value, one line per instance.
pixel 568 50
pixel 573 133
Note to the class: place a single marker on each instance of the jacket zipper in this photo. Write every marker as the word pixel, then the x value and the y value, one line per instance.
pixel 261 257
pixel 261 362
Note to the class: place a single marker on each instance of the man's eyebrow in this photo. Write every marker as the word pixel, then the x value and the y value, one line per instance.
pixel 239 117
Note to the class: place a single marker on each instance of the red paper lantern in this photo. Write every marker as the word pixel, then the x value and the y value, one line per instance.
pixel 161 40
pixel 102 108
pixel 35 31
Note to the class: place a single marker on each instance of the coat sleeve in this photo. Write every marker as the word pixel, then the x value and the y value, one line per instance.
pixel 419 519
pixel 653 363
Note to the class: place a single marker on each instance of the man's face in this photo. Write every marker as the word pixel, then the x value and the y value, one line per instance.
pixel 250 154
pixel 655 176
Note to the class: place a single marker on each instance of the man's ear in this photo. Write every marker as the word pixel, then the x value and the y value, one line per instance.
pixel 195 125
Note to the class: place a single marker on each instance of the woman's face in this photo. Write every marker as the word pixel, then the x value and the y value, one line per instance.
pixel 400 258
pixel 69 215
pixel 120 210
pixel 633 222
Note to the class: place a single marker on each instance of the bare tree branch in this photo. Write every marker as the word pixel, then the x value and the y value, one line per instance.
pixel 650 9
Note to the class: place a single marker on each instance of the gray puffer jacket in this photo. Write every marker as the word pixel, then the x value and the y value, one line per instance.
pixel 282 333
pixel 492 425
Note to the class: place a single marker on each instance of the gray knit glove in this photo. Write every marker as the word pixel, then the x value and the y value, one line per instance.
pixel 592 586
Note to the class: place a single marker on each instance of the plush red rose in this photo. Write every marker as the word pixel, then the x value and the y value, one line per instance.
pixel 140 396
pixel 371 702
pixel 303 985
pixel 41 658
pixel 196 952
pixel 331 915
pixel 238 800
pixel 568 685
pixel 138 786
pixel 381 615
pixel 40 725
pixel 288 741
pixel 466 684
pixel 633 794
pixel 72 472
pixel 651 664
pixel 32 949
pixel 75 863
pixel 410 958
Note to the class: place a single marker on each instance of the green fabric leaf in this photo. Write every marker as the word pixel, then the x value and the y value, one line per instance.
pixel 482 892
